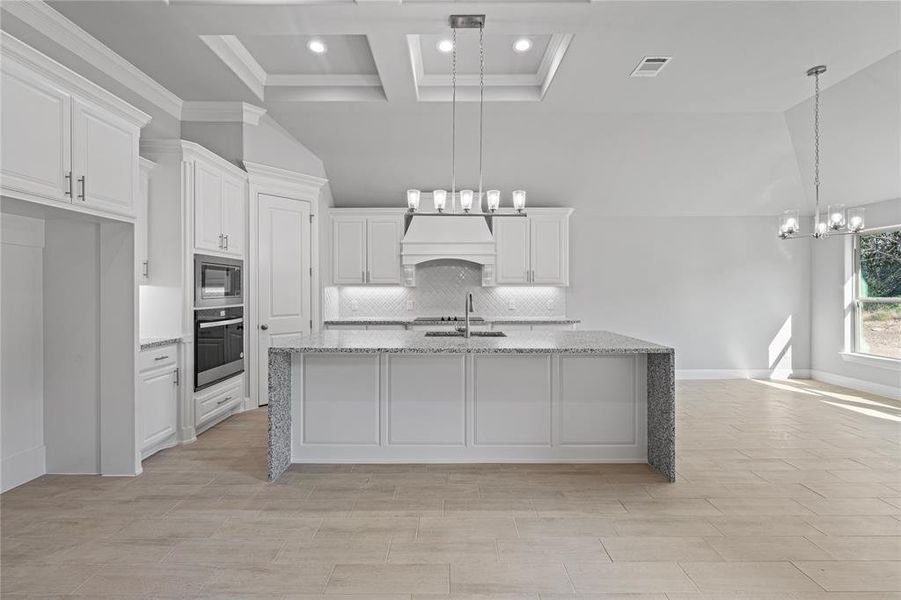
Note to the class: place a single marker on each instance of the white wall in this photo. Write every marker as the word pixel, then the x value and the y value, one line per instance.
pixel 831 278
pixel 72 346
pixel 725 292
pixel 21 350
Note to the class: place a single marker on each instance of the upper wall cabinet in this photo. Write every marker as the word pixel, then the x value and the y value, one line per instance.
pixel 533 250
pixel 65 140
pixel 219 208
pixel 366 247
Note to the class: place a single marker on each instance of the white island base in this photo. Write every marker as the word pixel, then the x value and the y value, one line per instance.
pixel 386 407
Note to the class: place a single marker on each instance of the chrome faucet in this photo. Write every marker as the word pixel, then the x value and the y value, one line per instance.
pixel 468 310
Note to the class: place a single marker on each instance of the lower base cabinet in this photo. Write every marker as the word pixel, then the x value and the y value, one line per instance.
pixel 217 402
pixel 158 382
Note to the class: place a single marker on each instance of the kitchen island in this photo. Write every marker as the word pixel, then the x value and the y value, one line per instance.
pixel 401 396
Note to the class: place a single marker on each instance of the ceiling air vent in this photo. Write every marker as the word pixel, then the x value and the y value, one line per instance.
pixel 650 66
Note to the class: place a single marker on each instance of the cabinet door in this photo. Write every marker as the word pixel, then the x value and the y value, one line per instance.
pixel 159 396
pixel 207 208
pixel 383 237
pixel 348 249
pixel 104 160
pixel 35 148
pixel 548 250
pixel 512 237
pixel 142 210
pixel 233 220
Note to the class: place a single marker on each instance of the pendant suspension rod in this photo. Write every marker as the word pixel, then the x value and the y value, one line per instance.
pixel 454 118
pixel 481 103
pixel 816 72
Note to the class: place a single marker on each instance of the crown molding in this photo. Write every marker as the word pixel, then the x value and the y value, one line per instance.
pixel 238 58
pixel 185 150
pixel 73 38
pixel 304 80
pixel 258 173
pixel 222 112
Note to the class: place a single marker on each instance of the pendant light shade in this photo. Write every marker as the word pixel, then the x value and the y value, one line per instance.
pixel 789 223
pixel 519 200
pixel 440 199
pixel 413 200
pixel 836 216
pixel 856 218
pixel 466 200
pixel 493 199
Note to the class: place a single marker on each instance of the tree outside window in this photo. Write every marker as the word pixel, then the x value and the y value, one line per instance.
pixel 878 303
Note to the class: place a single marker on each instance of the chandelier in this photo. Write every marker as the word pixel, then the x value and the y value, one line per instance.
pixel 467 196
pixel 838 220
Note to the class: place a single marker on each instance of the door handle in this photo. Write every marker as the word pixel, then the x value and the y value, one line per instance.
pixel 81 180
pixel 264 327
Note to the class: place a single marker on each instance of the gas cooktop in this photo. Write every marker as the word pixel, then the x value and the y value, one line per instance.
pixel 447 319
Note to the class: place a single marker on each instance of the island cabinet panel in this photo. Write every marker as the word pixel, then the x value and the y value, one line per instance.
pixel 511 400
pixel 597 400
pixel 340 403
pixel 425 399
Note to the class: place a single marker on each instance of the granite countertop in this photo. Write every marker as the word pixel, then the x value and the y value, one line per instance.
pixel 148 343
pixel 519 342
pixel 485 320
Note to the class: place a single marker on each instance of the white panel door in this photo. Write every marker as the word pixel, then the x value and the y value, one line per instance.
pixel 207 208
pixel 426 399
pixel 383 237
pixel 104 160
pixel 233 216
pixel 158 397
pixel 284 277
pixel 548 251
pixel 512 238
pixel 348 249
pixel 511 400
pixel 36 121
pixel 597 400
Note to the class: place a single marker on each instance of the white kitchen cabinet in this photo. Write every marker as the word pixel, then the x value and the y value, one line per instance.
pixel 104 160
pixel 64 139
pixel 217 402
pixel 383 236
pixel 533 250
pixel 142 212
pixel 35 116
pixel 158 382
pixel 219 210
pixel 348 250
pixel 511 236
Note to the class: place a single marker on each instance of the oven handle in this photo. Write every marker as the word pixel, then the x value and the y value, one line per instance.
pixel 209 324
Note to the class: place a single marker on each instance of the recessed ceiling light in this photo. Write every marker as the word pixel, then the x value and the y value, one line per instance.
pixel 522 45
pixel 317 46
pixel 445 45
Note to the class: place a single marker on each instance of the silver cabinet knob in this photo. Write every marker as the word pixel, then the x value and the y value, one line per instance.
pixel 264 327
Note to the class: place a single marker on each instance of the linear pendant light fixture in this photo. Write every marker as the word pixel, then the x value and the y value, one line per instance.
pixel 838 221
pixel 467 196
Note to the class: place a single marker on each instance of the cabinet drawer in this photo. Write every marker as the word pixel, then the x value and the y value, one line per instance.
pixel 157 358
pixel 213 402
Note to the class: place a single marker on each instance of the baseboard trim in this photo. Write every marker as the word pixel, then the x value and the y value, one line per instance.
pixel 23 467
pixel 688 374
pixel 858 384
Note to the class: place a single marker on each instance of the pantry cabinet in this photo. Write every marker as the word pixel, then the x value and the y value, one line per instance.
pixel 366 247
pixel 533 250
pixel 142 210
pixel 65 140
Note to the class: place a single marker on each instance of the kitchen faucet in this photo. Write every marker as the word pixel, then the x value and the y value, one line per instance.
pixel 468 309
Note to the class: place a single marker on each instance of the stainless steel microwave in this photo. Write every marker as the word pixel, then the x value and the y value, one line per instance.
pixel 217 281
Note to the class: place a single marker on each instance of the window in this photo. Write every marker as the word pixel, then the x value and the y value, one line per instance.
pixel 877 305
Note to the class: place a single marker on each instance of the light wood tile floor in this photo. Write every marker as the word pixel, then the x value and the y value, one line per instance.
pixel 786 490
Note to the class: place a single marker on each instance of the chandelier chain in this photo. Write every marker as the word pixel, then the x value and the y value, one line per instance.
pixel 481 102
pixel 454 117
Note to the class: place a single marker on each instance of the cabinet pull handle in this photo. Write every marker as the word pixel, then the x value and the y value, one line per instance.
pixel 223 401
pixel 161 357
pixel 81 180
pixel 220 241
pixel 69 184
pixel 146 269
pixel 226 240
pixel 177 378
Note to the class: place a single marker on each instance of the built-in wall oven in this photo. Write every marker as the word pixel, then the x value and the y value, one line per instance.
pixel 217 281
pixel 218 345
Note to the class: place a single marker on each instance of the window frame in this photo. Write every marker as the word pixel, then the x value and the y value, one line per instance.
pixel 857 302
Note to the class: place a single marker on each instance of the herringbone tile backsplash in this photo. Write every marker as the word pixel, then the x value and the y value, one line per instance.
pixel 440 289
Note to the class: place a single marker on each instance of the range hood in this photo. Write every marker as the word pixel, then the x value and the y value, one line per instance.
pixel 460 238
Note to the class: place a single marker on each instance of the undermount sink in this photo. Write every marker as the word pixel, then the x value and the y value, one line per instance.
pixel 460 334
